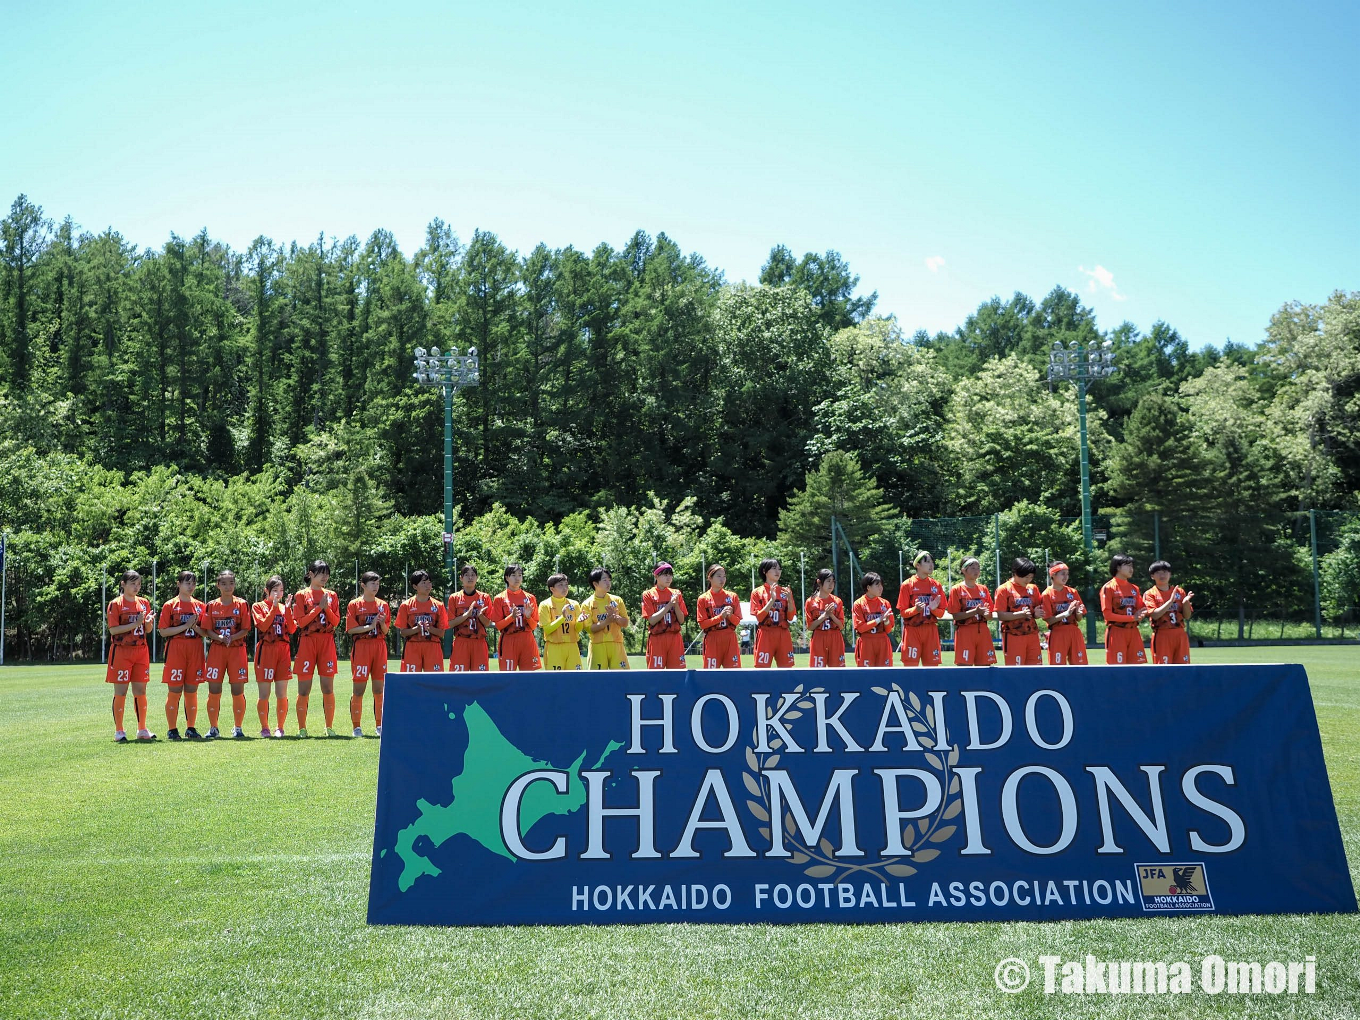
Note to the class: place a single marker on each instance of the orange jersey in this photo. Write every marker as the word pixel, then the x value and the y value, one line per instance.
pixel 872 614
pixel 1014 597
pixel 316 611
pixel 652 601
pixel 709 605
pixel 429 616
pixel 780 598
pixel 273 622
pixel 1120 601
pixel 962 597
pixel 120 613
pixel 230 619
pixel 1154 598
pixel 177 612
pixel 459 603
pixel 913 600
pixel 1059 600
pixel 816 606
pixel 362 612
pixel 514 612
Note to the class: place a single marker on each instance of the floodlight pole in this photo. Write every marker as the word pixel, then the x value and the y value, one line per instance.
pixel 1087 534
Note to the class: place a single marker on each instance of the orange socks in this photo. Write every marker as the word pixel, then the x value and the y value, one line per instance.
pixel 191 706
pixel 172 708
pixel 214 708
pixel 119 700
pixel 262 707
pixel 328 707
pixel 301 710
pixel 377 708
pixel 139 706
pixel 238 709
pixel 356 709
pixel 281 711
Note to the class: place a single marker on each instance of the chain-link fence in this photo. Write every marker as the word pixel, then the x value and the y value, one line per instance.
pixel 1293 576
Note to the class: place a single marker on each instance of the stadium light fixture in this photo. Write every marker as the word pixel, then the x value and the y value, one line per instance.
pixel 451 372
pixel 1074 363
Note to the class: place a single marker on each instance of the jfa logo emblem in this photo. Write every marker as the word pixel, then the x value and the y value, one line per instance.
pixel 1174 887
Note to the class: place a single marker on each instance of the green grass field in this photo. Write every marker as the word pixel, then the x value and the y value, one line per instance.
pixel 230 880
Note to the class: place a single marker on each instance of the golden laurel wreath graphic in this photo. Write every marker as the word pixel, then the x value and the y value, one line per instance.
pixel 915 836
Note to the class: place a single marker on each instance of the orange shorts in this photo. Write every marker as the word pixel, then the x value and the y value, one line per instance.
pixel 316 654
pixel 1021 649
pixel 423 657
pixel 1124 645
pixel 1170 646
pixel 183 662
pixel 469 655
pixel 1066 646
pixel 774 647
pixel 665 651
pixel 921 644
pixel 721 650
pixel 973 646
pixel 128 664
pixel 826 649
pixel 873 650
pixel 368 660
pixel 231 665
pixel 271 662
pixel 519 652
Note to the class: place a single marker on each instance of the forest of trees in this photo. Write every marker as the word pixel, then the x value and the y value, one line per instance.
pixel 194 402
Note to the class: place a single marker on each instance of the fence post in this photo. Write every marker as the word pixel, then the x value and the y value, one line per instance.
pixel 103 615
pixel 1317 583
pixel 949 584
pixel 155 612
pixel 996 540
pixel 802 592
pixel 4 576
pixel 1156 535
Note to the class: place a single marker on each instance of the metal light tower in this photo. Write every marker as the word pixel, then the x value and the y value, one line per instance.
pixel 451 372
pixel 1081 365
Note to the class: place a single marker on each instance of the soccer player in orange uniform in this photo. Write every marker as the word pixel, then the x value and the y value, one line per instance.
pixel 182 621
pixel 664 610
pixel 719 612
pixel 421 621
pixel 1019 605
pixel 824 615
pixel 468 616
pixel 1168 607
pixel 1122 606
pixel 772 606
pixel 273 626
pixel 515 614
pixel 130 660
pixel 316 611
pixel 873 620
pixel 920 601
pixel 1063 607
pixel 227 630
pixel 970 606
pixel 367 620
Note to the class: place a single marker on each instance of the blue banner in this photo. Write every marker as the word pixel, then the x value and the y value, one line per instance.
pixel 853 795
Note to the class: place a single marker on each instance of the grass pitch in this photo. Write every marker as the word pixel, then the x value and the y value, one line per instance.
pixel 230 880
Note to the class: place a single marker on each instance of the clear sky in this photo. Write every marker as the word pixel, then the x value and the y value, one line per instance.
pixel 1193 162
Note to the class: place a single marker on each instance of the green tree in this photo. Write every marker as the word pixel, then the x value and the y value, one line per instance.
pixel 839 487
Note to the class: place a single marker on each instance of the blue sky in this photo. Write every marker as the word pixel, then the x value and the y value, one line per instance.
pixel 1195 163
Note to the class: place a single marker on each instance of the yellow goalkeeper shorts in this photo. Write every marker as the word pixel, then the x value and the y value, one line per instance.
pixel 561 655
pixel 608 655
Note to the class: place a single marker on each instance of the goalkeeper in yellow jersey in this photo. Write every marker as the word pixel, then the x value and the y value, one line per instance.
pixel 561 620
pixel 605 618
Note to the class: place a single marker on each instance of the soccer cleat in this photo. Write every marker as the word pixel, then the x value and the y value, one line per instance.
pixel 330 731
pixel 358 731
pixel 238 734
pixel 278 733
pixel 266 732
pixel 192 734
pixel 145 735
pixel 214 733
pixel 172 735
pixel 120 737
pixel 377 730
pixel 302 733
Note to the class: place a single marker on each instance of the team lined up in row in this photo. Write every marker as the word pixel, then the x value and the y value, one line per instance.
pixel 512 617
